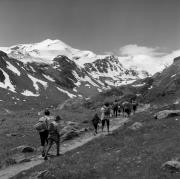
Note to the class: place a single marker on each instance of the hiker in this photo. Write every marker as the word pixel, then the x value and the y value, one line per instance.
pixel 105 116
pixel 134 105
pixel 115 108
pixel 126 108
pixel 95 121
pixel 42 128
pixel 54 136
pixel 120 108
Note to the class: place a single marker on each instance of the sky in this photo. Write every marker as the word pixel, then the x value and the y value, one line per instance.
pixel 123 27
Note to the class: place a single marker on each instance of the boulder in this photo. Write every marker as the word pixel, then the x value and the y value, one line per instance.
pixel 45 175
pixel 166 113
pixel 136 126
pixel 67 129
pixel 69 135
pixel 172 166
pixel 24 149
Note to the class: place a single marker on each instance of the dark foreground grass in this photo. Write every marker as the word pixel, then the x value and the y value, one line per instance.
pixel 125 154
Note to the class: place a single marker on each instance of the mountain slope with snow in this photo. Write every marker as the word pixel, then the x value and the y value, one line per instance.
pixel 53 70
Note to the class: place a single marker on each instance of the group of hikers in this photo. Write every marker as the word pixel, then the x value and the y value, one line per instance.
pixel 48 127
pixel 49 133
pixel 113 110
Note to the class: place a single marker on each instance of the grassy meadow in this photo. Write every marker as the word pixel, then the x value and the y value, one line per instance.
pixel 125 154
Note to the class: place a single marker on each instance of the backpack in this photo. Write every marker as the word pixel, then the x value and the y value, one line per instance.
pixel 107 111
pixel 134 103
pixel 41 126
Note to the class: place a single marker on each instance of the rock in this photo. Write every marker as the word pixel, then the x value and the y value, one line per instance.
pixel 70 131
pixel 45 175
pixel 67 129
pixel 136 126
pixel 24 149
pixel 86 121
pixel 176 59
pixel 70 135
pixel 166 113
pixel 14 135
pixel 83 130
pixel 172 166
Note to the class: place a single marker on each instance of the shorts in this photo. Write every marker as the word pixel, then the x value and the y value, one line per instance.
pixel 44 137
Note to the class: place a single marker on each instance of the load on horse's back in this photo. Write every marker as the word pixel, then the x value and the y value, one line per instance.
pixel 127 108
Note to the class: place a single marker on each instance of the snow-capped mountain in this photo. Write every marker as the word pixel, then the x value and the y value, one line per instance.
pixel 53 70
pixel 47 50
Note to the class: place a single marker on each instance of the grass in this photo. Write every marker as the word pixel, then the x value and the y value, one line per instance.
pixel 22 122
pixel 125 154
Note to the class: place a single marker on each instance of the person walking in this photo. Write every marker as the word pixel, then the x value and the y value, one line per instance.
pixel 95 121
pixel 54 136
pixel 134 105
pixel 42 128
pixel 105 116
pixel 115 108
pixel 127 106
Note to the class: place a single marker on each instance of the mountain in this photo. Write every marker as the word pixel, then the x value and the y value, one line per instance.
pixel 162 88
pixel 53 71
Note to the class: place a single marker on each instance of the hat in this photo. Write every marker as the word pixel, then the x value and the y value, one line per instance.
pixel 46 112
pixel 58 118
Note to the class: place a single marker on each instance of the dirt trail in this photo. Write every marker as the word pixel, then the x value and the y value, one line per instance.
pixel 65 147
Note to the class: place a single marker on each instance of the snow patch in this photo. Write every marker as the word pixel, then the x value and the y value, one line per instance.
pixel 100 90
pixel 29 93
pixel 7 83
pixel 173 75
pixel 150 87
pixel 13 69
pixel 139 85
pixel 74 89
pixel 85 79
pixel 32 69
pixel 36 81
pixel 87 85
pixel 48 78
pixel 66 92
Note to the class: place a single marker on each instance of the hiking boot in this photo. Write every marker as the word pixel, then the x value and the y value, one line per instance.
pixel 43 154
pixel 58 154
pixel 45 158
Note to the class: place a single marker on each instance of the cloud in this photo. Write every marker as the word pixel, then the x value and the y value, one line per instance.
pixel 108 53
pixel 146 58
pixel 134 49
